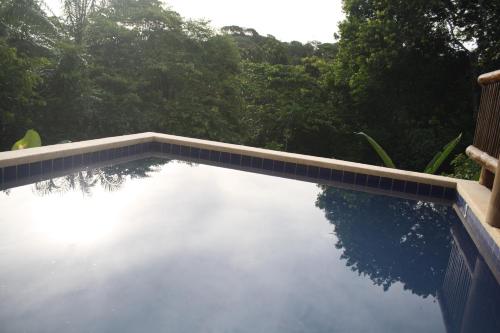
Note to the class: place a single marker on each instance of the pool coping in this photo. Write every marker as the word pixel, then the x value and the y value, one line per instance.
pixel 468 198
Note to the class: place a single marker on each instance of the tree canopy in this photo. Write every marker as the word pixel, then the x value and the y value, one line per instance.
pixel 402 72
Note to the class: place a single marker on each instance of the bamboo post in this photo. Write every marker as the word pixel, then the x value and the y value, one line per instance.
pixel 493 215
pixel 486 178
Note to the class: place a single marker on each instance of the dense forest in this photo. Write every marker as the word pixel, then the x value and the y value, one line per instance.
pixel 402 71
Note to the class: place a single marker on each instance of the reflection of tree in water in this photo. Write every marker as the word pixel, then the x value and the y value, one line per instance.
pixel 390 239
pixel 110 178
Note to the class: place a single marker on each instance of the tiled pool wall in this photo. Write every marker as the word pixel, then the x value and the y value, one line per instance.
pixel 483 240
pixel 303 171
pixel 11 176
pixel 16 175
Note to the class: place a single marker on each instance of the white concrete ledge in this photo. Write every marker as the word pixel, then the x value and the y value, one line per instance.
pixel 310 160
pixel 18 157
pixel 31 155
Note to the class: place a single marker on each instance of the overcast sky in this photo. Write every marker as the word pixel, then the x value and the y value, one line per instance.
pixel 287 20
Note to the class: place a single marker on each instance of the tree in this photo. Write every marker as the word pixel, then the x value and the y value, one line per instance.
pixel 18 82
pixel 405 81
pixel 77 14
pixel 391 240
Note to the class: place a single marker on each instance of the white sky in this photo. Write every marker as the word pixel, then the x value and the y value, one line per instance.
pixel 287 20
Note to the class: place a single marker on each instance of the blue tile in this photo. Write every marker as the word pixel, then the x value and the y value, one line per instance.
pixel 205 154
pixel 398 185
pixel 385 183
pixel 411 187
pixel 68 162
pixel 225 157
pixel 290 168
pixel 9 174
pixel 437 191
pixel 267 164
pixel 279 166
pixel 236 159
pixel 94 158
pixel 337 175
pixel 23 171
pixel 166 148
pixel 460 203
pixel 450 193
pixel 195 152
pixel 301 170
pixel 47 166
pixel 176 149
pixel 361 179
pixel 104 155
pixel 185 151
pixel 57 164
pixel 214 156
pixel 312 171
pixel 348 177
pixel 124 152
pixel 246 161
pixel 424 189
pixel 373 181
pixel 325 173
pixel 152 146
pixel 257 162
pixel 78 160
pixel 87 158
pixel 36 168
pixel 128 150
pixel 497 254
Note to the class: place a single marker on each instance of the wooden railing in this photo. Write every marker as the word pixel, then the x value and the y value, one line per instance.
pixel 486 147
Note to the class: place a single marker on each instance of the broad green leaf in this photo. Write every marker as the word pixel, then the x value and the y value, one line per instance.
pixel 441 156
pixel 379 150
pixel 30 140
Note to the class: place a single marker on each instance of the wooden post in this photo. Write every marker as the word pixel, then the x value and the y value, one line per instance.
pixel 493 216
pixel 487 177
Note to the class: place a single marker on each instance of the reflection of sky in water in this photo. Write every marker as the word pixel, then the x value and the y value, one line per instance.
pixel 189 249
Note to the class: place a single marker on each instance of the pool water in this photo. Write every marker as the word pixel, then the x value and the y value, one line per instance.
pixel 169 246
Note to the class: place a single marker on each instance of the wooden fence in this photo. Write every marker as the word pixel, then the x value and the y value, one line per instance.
pixel 486 147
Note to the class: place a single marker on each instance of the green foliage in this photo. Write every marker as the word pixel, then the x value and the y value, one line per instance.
pixel 379 150
pixel 441 156
pixel 30 140
pixel 400 70
pixel 18 82
pixel 464 168
pixel 404 77
pixel 432 167
pixel 288 105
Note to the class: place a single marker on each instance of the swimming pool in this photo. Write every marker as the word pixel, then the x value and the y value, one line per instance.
pixel 167 245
